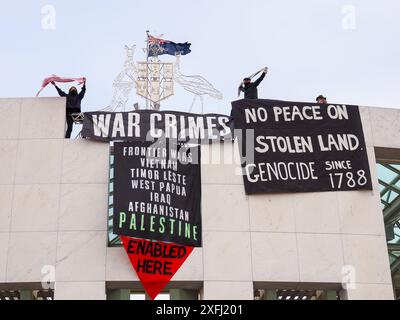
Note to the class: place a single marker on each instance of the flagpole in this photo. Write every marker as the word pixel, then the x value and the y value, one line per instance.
pixel 147 69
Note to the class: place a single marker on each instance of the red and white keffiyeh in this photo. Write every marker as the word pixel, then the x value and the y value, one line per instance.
pixel 59 79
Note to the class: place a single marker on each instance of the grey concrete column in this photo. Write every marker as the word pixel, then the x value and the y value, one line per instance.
pixel 330 295
pixel 270 294
pixel 25 295
pixel 183 294
pixel 119 294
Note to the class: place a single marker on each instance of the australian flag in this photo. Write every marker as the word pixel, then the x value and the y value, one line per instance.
pixel 159 46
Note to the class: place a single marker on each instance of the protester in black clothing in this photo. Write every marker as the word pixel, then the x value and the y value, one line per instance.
pixel 73 104
pixel 250 88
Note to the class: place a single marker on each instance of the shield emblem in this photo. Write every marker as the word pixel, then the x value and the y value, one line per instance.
pixel 155 80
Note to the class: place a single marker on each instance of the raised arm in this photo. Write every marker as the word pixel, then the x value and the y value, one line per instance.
pixel 60 92
pixel 83 91
pixel 261 78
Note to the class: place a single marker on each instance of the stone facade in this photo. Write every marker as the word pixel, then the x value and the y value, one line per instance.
pixel 54 208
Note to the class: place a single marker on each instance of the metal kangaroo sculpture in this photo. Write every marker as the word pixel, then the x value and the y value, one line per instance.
pixel 124 82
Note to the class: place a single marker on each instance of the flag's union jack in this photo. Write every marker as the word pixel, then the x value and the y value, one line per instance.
pixel 158 46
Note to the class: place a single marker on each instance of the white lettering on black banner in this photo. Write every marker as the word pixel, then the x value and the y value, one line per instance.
pixel 149 125
pixel 300 147
pixel 157 192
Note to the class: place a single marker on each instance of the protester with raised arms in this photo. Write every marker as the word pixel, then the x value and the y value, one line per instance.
pixel 250 88
pixel 73 104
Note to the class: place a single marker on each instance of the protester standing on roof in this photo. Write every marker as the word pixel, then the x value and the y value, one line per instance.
pixel 73 104
pixel 250 88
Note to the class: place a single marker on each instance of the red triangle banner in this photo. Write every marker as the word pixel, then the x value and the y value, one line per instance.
pixel 155 262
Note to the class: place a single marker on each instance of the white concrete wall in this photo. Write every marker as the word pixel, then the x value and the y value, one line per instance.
pixel 53 211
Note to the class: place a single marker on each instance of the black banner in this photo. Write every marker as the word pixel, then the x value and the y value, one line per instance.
pixel 149 125
pixel 157 191
pixel 300 147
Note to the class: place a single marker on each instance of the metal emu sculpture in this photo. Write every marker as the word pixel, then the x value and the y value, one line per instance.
pixel 195 84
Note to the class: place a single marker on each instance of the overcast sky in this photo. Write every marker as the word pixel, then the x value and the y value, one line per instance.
pixel 348 50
